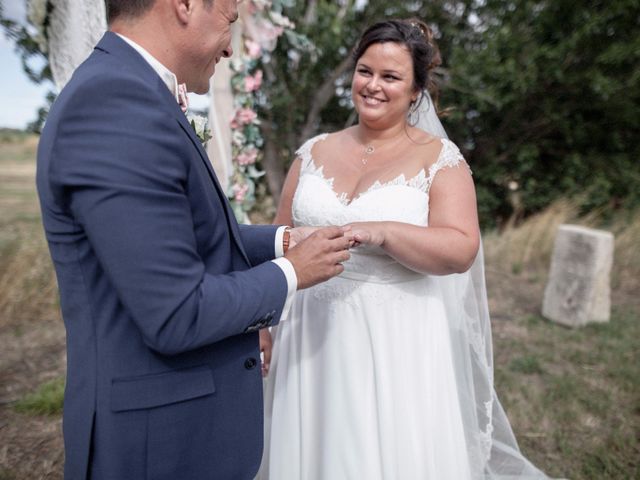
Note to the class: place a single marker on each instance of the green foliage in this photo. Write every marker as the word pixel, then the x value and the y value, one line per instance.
pixel 548 95
pixel 47 400
pixel 307 89
pixel 545 94
pixel 542 95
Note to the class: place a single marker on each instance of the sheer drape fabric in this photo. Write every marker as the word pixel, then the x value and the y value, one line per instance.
pixel 492 448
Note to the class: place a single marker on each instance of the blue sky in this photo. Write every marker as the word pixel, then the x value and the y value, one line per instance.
pixel 20 98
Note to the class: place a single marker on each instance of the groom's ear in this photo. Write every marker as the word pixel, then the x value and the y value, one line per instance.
pixel 183 9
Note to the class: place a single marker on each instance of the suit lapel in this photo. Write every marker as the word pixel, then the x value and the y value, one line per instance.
pixel 231 219
pixel 111 43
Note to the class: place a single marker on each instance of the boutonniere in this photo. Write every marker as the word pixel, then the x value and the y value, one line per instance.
pixel 199 123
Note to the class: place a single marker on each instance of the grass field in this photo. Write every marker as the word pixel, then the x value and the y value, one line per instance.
pixel 573 396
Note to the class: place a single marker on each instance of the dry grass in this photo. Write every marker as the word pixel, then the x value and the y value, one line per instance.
pixel 31 332
pixel 572 395
pixel 527 248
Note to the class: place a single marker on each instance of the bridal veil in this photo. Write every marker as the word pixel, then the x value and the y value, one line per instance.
pixel 492 448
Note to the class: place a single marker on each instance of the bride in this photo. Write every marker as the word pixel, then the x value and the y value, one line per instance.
pixel 385 372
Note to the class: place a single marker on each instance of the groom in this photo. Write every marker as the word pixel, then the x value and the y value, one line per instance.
pixel 161 291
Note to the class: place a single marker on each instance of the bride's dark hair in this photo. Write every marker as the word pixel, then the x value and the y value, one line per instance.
pixel 417 37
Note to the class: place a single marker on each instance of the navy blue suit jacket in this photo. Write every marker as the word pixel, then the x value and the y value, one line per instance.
pixel 161 290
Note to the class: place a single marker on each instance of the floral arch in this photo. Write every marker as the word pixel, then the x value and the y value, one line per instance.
pixel 67 30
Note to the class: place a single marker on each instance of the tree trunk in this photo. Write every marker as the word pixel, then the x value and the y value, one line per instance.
pixel 325 93
pixel 272 163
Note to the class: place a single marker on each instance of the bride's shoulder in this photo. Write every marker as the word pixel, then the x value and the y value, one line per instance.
pixel 322 143
pixel 450 154
pixel 306 147
pixel 436 151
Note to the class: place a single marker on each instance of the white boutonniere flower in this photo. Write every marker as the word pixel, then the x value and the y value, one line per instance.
pixel 200 125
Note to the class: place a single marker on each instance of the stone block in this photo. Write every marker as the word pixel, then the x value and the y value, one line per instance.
pixel 578 290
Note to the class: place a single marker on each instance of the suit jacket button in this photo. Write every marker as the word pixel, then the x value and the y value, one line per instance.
pixel 250 363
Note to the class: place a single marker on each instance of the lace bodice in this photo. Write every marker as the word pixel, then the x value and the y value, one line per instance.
pixel 401 199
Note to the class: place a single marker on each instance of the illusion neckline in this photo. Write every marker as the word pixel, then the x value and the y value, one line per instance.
pixel 347 201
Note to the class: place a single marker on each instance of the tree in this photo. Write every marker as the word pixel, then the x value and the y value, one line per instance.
pixel 34 61
pixel 547 98
pixel 308 91
pixel 544 95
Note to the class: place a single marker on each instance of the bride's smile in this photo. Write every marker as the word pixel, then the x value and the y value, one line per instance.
pixel 372 100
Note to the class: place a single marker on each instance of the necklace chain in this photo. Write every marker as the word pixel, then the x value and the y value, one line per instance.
pixel 368 151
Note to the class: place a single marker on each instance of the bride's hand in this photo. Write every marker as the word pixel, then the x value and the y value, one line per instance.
pixel 300 233
pixel 368 233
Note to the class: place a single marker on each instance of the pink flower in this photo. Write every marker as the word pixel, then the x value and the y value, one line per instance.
pixel 254 50
pixel 239 192
pixel 252 83
pixel 247 157
pixel 245 116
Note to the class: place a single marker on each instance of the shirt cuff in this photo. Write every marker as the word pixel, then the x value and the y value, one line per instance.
pixel 292 283
pixel 278 240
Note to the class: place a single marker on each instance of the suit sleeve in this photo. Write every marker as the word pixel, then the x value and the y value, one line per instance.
pixel 120 166
pixel 259 242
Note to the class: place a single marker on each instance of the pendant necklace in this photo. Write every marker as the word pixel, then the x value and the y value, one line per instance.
pixel 368 151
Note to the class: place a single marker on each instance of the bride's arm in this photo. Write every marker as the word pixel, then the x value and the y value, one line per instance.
pixel 284 214
pixel 451 241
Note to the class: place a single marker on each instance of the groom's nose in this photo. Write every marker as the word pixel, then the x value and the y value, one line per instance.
pixel 227 52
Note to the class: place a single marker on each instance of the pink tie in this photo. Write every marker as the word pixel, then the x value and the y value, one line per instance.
pixel 183 100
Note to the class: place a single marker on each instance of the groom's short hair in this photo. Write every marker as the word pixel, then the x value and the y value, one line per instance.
pixel 131 8
pixel 127 8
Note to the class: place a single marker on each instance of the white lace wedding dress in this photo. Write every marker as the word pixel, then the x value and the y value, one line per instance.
pixel 362 382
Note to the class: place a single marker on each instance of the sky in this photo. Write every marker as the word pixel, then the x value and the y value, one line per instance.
pixel 20 98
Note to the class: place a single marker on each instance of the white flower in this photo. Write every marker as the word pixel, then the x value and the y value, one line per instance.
pixel 238 138
pixel 200 126
pixel 237 65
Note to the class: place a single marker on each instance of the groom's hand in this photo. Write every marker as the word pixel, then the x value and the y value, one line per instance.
pixel 319 256
pixel 300 233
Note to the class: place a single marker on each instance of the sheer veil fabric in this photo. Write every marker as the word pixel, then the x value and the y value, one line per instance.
pixel 492 448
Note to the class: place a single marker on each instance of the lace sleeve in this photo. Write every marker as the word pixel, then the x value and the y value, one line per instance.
pixel 304 152
pixel 450 156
